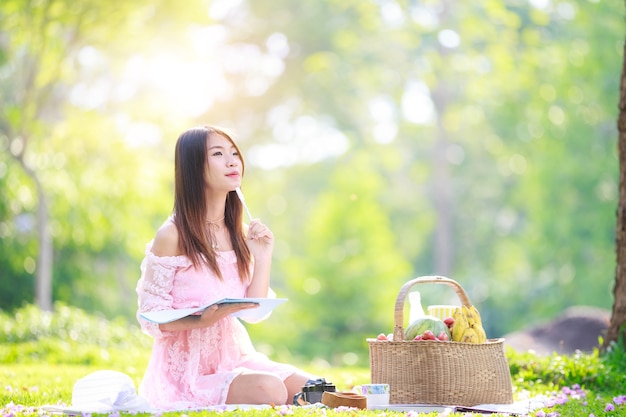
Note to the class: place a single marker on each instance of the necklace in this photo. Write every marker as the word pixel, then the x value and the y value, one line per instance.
pixel 213 226
pixel 214 222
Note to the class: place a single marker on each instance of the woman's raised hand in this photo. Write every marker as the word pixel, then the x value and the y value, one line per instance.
pixel 260 240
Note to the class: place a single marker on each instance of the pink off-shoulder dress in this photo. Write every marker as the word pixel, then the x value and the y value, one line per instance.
pixel 194 368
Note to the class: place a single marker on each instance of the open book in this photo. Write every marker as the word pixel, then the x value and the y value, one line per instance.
pixel 266 305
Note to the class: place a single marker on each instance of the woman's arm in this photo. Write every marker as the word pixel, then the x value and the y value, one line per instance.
pixel 166 244
pixel 260 240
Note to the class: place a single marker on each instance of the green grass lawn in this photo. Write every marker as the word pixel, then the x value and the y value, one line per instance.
pixel 26 386
pixel 41 384
pixel 41 357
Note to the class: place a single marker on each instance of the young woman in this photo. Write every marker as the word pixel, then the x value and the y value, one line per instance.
pixel 202 253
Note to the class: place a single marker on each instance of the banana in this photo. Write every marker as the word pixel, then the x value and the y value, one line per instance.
pixel 476 315
pixel 469 314
pixel 459 326
pixel 470 336
pixel 467 325
pixel 482 336
pixel 478 325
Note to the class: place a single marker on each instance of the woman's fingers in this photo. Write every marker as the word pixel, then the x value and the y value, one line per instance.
pixel 219 311
pixel 230 308
pixel 257 230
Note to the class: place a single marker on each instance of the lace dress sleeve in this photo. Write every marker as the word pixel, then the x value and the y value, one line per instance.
pixel 154 287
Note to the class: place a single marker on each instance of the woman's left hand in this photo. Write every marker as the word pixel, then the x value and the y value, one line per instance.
pixel 260 240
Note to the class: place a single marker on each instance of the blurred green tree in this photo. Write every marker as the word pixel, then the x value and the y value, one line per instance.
pixel 61 132
pixel 485 129
pixel 479 101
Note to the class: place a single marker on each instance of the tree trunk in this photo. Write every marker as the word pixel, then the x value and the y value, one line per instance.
pixel 43 277
pixel 43 281
pixel 618 316
pixel 442 96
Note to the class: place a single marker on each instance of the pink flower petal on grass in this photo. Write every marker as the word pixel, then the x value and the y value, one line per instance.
pixel 619 400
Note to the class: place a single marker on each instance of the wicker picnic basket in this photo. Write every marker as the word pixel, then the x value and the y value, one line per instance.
pixel 439 372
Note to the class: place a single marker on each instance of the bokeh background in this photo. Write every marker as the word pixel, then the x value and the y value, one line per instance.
pixel 384 140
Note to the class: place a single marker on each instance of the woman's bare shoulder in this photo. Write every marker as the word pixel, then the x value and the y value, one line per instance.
pixel 166 240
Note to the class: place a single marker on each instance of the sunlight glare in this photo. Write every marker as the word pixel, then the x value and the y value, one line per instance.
pixel 277 45
pixel 306 140
pixel 540 4
pixel 208 38
pixel 239 58
pixel 417 106
pixel 449 38
pixel 259 68
pixel 385 132
pixel 350 358
pixel 425 17
pixel 382 110
pixel 91 96
pixel 566 10
pixel 30 265
pixel 311 286
pixel 142 134
pixel 391 13
pixel 556 115
pixel 193 86
pixel 220 9
pixel 268 69
pixel 90 57
pixel 272 156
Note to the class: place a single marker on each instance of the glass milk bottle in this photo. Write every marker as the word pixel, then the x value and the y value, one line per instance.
pixel 416 310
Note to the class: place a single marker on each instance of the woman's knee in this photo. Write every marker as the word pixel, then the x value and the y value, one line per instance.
pixel 257 388
pixel 275 389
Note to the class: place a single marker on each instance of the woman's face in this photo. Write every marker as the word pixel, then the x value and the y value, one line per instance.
pixel 224 165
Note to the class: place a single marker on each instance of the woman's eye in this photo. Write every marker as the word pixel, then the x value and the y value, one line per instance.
pixel 218 153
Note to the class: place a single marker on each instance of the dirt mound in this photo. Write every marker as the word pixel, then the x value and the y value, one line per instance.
pixel 578 328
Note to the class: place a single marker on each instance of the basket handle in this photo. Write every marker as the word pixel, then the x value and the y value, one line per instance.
pixel 398 328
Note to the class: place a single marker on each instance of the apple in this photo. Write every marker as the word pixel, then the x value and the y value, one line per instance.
pixel 428 335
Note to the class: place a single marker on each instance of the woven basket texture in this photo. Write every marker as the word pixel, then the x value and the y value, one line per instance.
pixel 440 372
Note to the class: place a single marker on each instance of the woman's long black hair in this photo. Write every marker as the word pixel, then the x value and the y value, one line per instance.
pixel 190 203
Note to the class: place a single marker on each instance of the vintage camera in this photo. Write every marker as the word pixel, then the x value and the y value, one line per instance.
pixel 312 391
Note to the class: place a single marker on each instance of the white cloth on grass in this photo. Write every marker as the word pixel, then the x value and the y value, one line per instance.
pixel 109 391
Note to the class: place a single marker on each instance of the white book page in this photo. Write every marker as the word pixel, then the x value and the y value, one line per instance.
pixel 266 305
